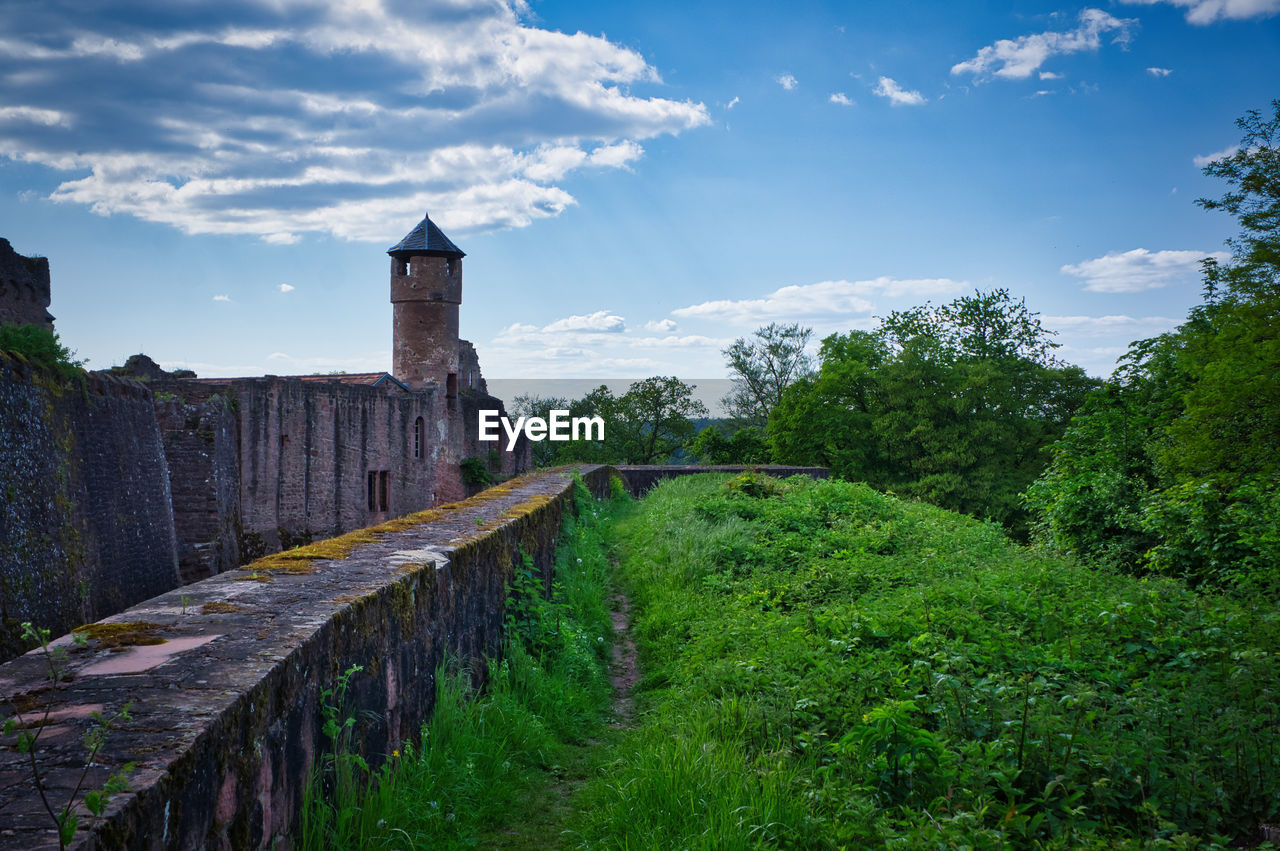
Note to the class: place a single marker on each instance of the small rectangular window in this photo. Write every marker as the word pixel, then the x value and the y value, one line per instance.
pixel 379 490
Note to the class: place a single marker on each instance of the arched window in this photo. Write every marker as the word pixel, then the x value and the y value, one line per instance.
pixel 417 437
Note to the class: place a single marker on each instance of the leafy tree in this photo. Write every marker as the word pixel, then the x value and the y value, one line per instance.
pixel 642 426
pixel 652 419
pixel 828 419
pixel 1175 469
pixel 954 404
pixel 747 445
pixel 763 368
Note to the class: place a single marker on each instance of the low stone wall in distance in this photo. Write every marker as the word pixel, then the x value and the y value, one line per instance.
pixel 224 677
pixel 641 477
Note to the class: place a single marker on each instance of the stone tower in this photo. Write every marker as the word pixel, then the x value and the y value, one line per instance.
pixel 426 290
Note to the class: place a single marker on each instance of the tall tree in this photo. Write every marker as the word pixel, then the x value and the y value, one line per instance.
pixel 763 366
pixel 652 419
pixel 954 404
pixel 1197 495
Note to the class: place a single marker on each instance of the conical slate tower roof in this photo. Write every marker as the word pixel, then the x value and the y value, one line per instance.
pixel 426 239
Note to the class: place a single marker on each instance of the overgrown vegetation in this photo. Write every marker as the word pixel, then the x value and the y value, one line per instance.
pixel 1173 465
pixel 828 666
pixel 41 346
pixel 477 760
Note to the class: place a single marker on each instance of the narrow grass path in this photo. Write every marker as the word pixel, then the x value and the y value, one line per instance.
pixel 539 822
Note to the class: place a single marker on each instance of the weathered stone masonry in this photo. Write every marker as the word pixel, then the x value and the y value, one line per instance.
pixel 262 464
pixel 85 523
pixel 226 722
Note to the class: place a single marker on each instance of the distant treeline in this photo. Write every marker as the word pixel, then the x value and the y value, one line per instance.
pixel 1169 465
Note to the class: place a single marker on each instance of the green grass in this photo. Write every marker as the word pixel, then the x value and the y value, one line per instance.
pixel 483 762
pixel 827 666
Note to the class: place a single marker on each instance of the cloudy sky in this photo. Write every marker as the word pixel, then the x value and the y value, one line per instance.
pixel 635 184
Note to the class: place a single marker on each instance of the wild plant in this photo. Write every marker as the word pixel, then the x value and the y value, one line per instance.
pixel 28 730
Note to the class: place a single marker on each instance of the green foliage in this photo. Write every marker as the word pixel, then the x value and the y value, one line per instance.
pixel 745 445
pixel 475 472
pixel 1173 467
pixel 833 667
pixel 763 367
pixel 1219 530
pixel 954 404
pixel 41 346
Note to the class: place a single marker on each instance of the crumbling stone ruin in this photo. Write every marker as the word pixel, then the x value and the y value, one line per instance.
pixel 248 466
pixel 24 288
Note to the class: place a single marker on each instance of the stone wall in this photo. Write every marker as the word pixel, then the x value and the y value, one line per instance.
pixel 262 464
pixel 225 721
pixel 201 447
pixel 85 522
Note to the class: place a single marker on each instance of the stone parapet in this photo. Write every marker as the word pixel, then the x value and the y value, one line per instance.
pixel 225 677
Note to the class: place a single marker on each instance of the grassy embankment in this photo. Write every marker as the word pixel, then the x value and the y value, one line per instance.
pixel 828 666
pixel 831 667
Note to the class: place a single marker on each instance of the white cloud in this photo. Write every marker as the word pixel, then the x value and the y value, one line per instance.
pixel 1207 11
pixel 840 98
pixel 1205 159
pixel 359 115
pixel 222 298
pixel 898 96
pixel 34 115
pixel 1019 58
pixel 828 300
pixel 660 326
pixel 1050 75
pixel 600 322
pixel 1159 72
pixel 733 102
pixel 1102 326
pixel 1139 269
pixel 788 82
pixel 685 342
pixel 287 288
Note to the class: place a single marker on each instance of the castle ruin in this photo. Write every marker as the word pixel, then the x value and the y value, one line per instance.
pixel 248 465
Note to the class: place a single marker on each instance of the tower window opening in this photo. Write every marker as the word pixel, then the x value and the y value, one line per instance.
pixel 451 390
pixel 402 267
pixel 448 266
pixel 417 437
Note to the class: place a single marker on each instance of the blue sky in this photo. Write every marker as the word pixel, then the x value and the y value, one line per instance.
pixel 636 185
